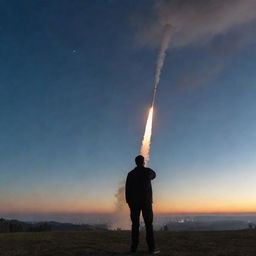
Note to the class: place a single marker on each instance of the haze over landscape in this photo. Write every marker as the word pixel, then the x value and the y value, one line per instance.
pixel 76 84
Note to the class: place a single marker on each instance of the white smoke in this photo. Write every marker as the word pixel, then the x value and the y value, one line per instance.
pixel 162 53
pixel 195 21
pixel 120 218
pixel 199 23
pixel 120 199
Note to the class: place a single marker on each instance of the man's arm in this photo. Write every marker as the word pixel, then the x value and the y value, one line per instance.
pixel 151 174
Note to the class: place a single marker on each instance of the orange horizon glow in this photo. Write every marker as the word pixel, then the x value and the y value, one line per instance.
pixel 222 207
pixel 173 204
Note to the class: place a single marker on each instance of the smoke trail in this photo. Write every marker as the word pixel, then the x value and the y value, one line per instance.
pixel 161 56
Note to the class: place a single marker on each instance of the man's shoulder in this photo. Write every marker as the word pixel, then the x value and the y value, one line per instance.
pixel 132 172
pixel 137 170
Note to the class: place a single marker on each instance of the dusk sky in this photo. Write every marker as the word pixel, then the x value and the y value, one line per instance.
pixel 76 84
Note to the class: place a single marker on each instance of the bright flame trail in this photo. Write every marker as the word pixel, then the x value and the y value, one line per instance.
pixel 145 147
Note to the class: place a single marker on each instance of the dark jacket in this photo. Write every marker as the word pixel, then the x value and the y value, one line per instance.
pixel 138 190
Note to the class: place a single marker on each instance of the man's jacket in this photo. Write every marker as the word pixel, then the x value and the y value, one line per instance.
pixel 138 190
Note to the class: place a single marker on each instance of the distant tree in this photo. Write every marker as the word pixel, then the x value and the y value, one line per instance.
pixel 4 227
pixel 40 227
pixel 15 226
pixel 11 226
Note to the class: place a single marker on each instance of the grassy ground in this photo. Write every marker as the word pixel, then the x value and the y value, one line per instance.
pixel 232 243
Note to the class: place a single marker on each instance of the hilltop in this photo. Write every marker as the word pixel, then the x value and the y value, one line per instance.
pixel 99 243
pixel 21 226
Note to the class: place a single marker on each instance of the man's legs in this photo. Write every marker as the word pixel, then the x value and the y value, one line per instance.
pixel 147 213
pixel 135 218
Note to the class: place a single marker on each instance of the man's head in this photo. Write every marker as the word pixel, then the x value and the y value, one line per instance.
pixel 139 160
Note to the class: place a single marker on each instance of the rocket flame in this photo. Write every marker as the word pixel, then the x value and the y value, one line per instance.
pixel 145 147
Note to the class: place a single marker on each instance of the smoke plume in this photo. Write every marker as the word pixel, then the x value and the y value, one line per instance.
pixel 121 216
pixel 223 27
pixel 120 200
pixel 195 21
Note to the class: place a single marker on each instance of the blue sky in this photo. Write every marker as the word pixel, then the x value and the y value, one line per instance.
pixel 75 90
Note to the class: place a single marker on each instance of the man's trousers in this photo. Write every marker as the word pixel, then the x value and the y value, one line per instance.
pixel 147 214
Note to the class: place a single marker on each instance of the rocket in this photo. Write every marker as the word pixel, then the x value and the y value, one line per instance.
pixel 154 96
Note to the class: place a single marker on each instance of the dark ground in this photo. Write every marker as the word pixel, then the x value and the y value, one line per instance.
pixel 219 243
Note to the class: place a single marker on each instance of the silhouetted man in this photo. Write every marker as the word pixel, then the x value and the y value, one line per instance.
pixel 138 193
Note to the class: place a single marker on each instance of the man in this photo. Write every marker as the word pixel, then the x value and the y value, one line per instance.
pixel 138 193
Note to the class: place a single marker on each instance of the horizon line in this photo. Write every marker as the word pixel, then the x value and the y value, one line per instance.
pixel 116 212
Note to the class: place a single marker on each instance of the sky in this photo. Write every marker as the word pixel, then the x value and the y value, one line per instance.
pixel 75 87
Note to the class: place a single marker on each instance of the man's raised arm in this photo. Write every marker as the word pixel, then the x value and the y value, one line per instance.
pixel 152 174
